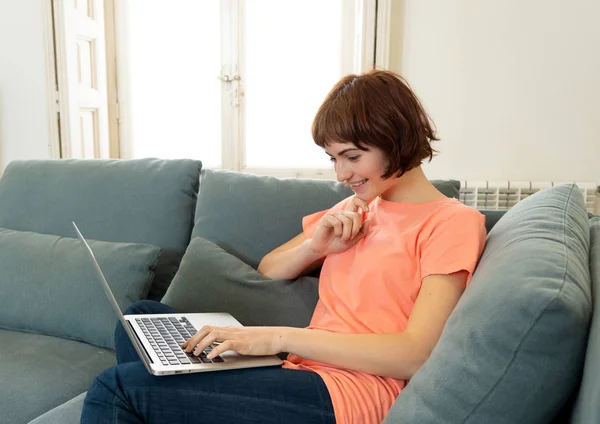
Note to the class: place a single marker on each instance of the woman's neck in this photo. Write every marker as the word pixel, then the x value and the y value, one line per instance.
pixel 412 187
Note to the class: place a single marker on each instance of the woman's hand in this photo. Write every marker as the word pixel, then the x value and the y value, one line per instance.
pixel 339 231
pixel 243 340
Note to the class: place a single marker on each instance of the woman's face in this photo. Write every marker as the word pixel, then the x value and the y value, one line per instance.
pixel 362 170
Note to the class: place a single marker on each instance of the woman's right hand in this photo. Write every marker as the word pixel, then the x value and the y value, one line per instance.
pixel 339 231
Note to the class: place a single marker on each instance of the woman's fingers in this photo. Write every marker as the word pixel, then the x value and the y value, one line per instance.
pixel 357 220
pixel 191 343
pixel 358 208
pixel 347 223
pixel 358 204
pixel 223 347
pixel 202 339
pixel 334 223
pixel 206 342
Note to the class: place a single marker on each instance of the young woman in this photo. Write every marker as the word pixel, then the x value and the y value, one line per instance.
pixel 395 259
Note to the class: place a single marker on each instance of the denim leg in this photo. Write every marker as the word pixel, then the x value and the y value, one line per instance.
pixel 127 393
pixel 123 346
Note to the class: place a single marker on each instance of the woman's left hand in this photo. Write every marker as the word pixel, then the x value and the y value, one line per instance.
pixel 243 340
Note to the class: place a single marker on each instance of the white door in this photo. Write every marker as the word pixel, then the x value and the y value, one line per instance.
pixel 81 74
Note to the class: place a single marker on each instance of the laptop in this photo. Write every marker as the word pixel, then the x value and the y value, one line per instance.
pixel 158 338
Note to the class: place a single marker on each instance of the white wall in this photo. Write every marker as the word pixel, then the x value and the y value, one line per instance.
pixel 513 86
pixel 24 120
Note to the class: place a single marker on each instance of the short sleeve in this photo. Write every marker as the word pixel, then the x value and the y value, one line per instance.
pixel 455 244
pixel 310 222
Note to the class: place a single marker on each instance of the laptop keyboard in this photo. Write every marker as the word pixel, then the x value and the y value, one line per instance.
pixel 167 334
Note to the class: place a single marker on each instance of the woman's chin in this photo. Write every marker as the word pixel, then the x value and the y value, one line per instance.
pixel 367 196
pixel 367 192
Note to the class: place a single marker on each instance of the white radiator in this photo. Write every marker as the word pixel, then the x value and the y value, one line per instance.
pixel 503 195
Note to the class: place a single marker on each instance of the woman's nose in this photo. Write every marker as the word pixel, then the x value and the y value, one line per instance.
pixel 342 172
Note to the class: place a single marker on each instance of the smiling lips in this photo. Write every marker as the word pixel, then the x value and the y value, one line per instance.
pixel 356 184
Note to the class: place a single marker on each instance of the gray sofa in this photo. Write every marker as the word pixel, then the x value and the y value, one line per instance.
pixel 521 346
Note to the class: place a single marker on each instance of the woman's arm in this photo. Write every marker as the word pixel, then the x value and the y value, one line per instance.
pixel 397 355
pixel 290 260
pixel 336 231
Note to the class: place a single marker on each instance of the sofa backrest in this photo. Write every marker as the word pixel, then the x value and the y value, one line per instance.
pixel 249 215
pixel 491 218
pixel 149 201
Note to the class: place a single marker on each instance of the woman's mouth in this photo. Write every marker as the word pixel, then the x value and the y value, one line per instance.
pixel 357 185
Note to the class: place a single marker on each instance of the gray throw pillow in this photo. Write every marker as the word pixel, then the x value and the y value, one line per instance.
pixel 587 409
pixel 512 351
pixel 48 284
pixel 211 280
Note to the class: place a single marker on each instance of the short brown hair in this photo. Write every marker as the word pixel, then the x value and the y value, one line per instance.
pixel 377 108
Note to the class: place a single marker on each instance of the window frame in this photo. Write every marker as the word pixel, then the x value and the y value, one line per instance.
pixel 375 18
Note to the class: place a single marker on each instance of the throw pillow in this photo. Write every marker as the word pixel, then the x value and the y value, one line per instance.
pixel 513 349
pixel 48 284
pixel 211 280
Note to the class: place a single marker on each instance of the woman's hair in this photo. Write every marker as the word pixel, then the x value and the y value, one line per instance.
pixel 378 109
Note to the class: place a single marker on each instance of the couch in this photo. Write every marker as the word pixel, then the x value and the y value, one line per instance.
pixel 521 346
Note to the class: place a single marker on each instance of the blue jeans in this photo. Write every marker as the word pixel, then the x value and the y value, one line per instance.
pixel 127 393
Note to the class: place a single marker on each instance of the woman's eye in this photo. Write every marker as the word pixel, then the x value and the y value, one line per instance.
pixel 332 159
pixel 353 158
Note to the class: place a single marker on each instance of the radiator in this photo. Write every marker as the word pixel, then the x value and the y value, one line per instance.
pixel 503 195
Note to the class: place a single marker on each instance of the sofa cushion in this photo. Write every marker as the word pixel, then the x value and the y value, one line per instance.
pixel 67 413
pixel 211 280
pixel 41 372
pixel 249 215
pixel 49 284
pixel 512 351
pixel 150 201
pixel 587 409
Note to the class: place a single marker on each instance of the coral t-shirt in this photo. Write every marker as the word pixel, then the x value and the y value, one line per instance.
pixel 372 287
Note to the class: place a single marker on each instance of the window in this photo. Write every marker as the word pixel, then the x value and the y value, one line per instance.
pixel 234 83
pixel 294 53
